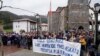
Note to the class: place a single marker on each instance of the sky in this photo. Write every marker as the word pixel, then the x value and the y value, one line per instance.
pixel 38 6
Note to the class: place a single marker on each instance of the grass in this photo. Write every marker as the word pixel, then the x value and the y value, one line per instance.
pixel 8 30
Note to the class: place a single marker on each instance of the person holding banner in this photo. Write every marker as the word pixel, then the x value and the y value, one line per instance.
pixel 83 44
pixel 73 37
pixel 60 35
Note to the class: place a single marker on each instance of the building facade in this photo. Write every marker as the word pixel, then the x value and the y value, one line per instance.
pixel 58 20
pixel 53 22
pixel 64 19
pixel 49 18
pixel 24 24
pixel 75 15
pixel 78 14
pixel 44 27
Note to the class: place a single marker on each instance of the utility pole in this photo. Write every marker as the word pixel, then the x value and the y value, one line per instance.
pixel 96 12
pixel 96 27
pixel 2 51
pixel 39 30
pixel 40 26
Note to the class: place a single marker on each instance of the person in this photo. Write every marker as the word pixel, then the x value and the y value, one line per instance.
pixel 18 40
pixel 24 40
pixel 60 35
pixel 92 49
pixel 46 35
pixel 68 35
pixel 29 41
pixel 4 39
pixel 73 37
pixel 0 40
pixel 13 39
pixel 83 44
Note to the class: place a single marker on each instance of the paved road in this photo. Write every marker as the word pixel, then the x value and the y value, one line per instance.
pixel 9 49
pixel 14 51
pixel 25 52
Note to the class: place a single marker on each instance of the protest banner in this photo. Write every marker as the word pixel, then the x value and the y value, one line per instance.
pixel 56 47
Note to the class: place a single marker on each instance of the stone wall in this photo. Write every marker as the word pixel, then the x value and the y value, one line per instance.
pixel 78 13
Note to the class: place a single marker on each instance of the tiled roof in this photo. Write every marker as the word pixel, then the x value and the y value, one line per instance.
pixel 24 19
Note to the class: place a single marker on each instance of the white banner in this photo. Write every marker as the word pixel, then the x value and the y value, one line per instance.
pixel 56 47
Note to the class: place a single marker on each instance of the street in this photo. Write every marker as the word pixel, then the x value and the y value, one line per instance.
pixel 14 51
pixel 25 52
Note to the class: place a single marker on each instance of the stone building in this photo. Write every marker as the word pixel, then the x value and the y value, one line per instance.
pixel 75 15
pixel 78 14
pixel 49 16
pixel 60 19
pixel 64 19
pixel 53 22
pixel 57 21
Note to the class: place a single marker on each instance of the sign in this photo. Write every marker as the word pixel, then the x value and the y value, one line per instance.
pixel 56 47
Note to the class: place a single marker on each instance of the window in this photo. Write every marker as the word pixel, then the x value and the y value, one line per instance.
pixel 17 26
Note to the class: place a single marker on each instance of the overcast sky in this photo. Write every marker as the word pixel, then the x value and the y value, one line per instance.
pixel 38 6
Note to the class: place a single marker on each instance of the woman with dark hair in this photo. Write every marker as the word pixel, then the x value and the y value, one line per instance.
pixel 4 39
pixel 29 41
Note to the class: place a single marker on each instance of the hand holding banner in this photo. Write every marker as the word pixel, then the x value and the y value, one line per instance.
pixel 56 47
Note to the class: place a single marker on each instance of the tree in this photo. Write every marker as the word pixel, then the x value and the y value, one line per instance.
pixel 90 6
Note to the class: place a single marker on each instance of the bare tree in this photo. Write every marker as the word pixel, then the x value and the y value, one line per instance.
pixel 90 6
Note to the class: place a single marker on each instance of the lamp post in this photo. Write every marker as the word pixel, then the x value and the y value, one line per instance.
pixel 97 8
pixel 38 26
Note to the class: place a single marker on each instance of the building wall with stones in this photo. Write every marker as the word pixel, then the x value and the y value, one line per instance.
pixel 49 16
pixel 58 21
pixel 64 19
pixel 61 18
pixel 74 15
pixel 53 22
pixel 49 21
pixel 78 14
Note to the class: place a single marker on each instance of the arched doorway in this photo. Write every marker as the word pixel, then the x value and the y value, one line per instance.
pixel 80 27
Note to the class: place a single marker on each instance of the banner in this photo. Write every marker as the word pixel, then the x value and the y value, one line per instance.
pixel 56 47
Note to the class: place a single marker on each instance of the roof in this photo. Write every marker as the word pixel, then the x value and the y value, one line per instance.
pixel 59 9
pixel 24 19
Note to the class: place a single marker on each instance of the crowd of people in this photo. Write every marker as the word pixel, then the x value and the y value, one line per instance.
pixel 24 40
pixel 19 40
